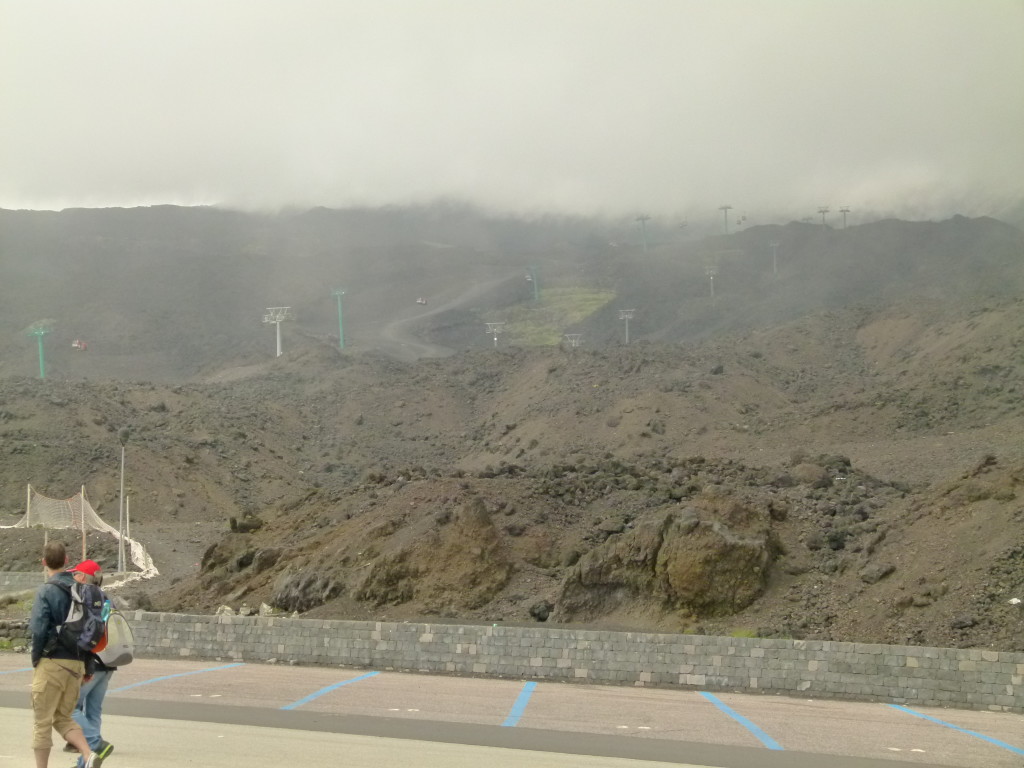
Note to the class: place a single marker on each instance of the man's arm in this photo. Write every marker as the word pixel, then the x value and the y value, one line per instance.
pixel 41 622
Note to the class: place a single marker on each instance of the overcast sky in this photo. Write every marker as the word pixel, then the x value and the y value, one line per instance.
pixel 664 107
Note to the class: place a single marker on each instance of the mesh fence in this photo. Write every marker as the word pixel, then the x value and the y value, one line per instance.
pixel 77 513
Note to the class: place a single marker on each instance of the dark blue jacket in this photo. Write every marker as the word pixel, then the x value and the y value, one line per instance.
pixel 48 612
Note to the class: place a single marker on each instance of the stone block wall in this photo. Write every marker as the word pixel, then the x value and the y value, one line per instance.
pixel 15 581
pixel 965 678
pixel 14 633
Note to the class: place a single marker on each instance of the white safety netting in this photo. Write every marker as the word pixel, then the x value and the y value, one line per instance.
pixel 77 513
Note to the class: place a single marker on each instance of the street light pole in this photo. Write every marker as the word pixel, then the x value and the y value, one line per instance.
pixel 122 435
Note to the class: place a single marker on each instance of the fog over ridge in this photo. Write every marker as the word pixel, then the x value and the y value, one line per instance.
pixel 667 107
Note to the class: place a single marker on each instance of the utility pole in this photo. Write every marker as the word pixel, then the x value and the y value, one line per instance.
pixel 277 315
pixel 844 210
pixel 337 293
pixel 643 219
pixel 725 212
pixel 823 210
pixel 494 329
pixel 627 315
pixel 775 257
pixel 38 330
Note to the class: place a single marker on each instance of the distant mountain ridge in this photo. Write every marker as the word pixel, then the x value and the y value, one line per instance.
pixel 167 293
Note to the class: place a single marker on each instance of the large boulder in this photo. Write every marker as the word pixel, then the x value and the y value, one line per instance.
pixel 303 590
pixel 710 559
pixel 458 566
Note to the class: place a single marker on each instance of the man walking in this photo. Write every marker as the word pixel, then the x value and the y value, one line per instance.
pixel 58 671
pixel 89 712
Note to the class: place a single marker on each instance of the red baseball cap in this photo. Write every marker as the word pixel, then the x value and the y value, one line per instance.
pixel 88 567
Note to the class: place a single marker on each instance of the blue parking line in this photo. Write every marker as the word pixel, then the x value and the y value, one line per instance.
pixel 328 689
pixel 520 706
pixel 763 737
pixel 179 674
pixel 12 671
pixel 982 736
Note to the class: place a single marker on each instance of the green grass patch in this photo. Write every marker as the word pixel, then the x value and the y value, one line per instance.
pixel 743 633
pixel 542 323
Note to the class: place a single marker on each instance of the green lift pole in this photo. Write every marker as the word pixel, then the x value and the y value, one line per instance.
pixel 39 333
pixel 336 293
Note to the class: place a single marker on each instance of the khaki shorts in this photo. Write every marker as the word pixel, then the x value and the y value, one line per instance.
pixel 55 686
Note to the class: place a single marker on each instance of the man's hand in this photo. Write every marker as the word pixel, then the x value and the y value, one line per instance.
pixel 86 678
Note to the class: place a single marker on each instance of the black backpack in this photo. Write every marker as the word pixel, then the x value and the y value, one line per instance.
pixel 84 625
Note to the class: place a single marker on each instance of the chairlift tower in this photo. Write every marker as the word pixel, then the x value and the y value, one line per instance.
pixel 336 293
pixel 844 210
pixel 494 329
pixel 573 339
pixel 39 330
pixel 775 257
pixel 711 265
pixel 277 315
pixel 534 279
pixel 823 210
pixel 627 315
pixel 643 219
pixel 725 212
pixel 711 270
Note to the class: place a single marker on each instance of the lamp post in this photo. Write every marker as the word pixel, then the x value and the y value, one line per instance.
pixel 337 293
pixel 122 435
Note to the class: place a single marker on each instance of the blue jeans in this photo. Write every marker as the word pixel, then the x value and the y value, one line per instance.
pixel 89 710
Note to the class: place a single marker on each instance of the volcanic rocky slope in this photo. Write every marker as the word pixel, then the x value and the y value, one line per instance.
pixel 850 473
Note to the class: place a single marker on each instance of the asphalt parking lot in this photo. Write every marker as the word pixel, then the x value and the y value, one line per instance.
pixel 272 713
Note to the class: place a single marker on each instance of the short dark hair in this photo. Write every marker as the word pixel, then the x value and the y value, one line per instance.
pixel 54 555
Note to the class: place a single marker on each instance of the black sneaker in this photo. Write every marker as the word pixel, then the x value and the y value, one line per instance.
pixel 104 750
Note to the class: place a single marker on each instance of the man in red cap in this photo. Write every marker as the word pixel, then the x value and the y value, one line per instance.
pixel 89 710
pixel 58 670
